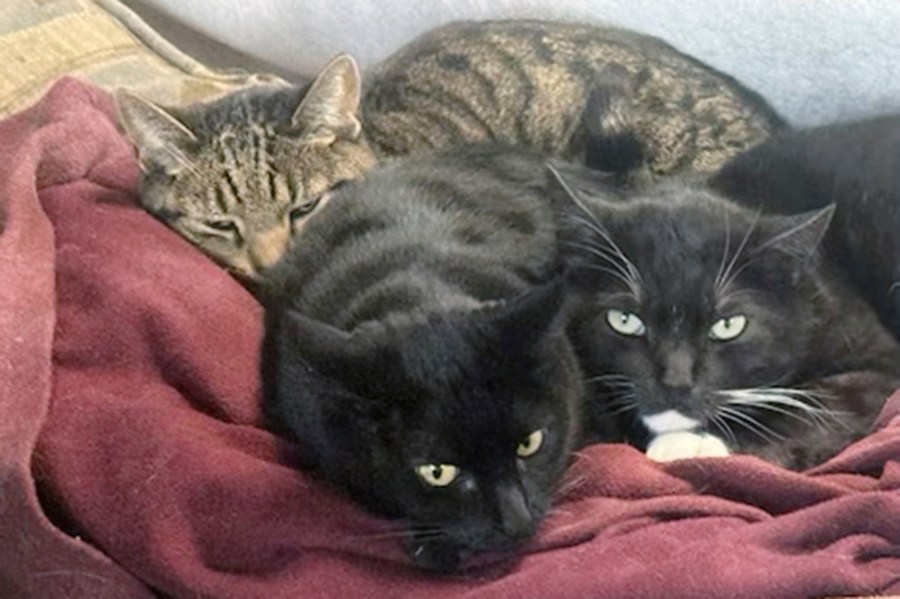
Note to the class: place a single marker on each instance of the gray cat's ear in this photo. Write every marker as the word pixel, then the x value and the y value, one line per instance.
pixel 801 234
pixel 328 109
pixel 324 348
pixel 161 139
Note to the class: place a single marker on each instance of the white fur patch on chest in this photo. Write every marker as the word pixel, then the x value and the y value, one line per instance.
pixel 684 444
pixel 669 421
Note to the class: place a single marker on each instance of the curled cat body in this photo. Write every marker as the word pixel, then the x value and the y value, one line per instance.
pixel 238 176
pixel 706 328
pixel 416 352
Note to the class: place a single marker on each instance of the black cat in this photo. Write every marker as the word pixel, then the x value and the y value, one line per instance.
pixel 853 165
pixel 707 328
pixel 415 349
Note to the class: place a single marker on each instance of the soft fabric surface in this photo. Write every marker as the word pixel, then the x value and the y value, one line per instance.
pixel 129 397
pixel 101 41
pixel 816 60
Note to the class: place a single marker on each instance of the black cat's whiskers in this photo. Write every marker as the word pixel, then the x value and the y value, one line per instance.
pixel 800 404
pixel 404 533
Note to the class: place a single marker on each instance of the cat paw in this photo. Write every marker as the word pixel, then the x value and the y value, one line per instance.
pixel 684 444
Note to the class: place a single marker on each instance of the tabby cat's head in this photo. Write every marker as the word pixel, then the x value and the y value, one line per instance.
pixel 699 314
pixel 460 424
pixel 239 176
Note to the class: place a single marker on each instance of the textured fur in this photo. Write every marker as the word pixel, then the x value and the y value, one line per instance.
pixel 806 376
pixel 613 98
pixel 418 324
pixel 853 165
pixel 239 176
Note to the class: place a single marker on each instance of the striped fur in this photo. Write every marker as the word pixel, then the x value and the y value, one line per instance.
pixel 239 176
pixel 585 93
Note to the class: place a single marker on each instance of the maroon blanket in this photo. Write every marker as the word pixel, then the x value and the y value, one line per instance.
pixel 129 406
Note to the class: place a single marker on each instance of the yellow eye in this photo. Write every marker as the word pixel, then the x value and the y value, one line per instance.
pixel 726 329
pixel 625 323
pixel 437 475
pixel 531 444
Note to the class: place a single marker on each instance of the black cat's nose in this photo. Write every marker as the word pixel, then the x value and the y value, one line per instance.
pixel 516 519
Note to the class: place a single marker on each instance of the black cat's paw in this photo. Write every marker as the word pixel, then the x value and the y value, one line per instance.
pixel 439 556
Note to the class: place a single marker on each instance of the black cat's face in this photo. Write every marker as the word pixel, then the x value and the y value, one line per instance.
pixel 693 309
pixel 459 425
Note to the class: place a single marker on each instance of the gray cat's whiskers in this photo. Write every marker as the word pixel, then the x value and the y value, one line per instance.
pixel 720 423
pixel 800 404
pixel 724 280
pixel 750 423
pixel 621 272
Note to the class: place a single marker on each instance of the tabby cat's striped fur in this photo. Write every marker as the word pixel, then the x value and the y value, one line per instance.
pixel 238 176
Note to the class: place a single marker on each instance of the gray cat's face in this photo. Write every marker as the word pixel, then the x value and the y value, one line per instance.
pixel 240 177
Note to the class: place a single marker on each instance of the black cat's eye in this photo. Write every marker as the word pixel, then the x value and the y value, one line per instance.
pixel 437 475
pixel 531 444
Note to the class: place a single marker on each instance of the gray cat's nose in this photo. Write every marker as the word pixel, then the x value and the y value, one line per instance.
pixel 515 516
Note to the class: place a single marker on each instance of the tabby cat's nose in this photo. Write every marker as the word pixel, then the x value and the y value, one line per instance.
pixel 269 247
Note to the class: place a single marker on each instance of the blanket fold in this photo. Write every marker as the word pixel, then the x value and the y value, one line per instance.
pixel 133 461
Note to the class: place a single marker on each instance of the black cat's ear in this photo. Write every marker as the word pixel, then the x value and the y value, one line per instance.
pixel 328 109
pixel 801 234
pixel 161 139
pixel 523 319
pixel 323 347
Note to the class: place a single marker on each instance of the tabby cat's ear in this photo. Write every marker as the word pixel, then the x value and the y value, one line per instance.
pixel 328 109
pixel 161 139
pixel 800 234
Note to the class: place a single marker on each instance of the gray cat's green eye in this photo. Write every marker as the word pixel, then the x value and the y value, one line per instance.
pixel 531 445
pixel 726 329
pixel 625 323
pixel 437 475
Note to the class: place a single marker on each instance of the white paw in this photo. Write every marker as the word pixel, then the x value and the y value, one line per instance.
pixel 684 444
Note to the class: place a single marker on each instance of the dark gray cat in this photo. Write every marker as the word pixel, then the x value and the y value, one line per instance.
pixel 708 329
pixel 416 353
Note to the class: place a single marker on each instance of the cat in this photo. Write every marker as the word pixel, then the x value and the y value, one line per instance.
pixel 415 349
pixel 232 175
pixel 611 98
pixel 853 165
pixel 239 176
pixel 706 328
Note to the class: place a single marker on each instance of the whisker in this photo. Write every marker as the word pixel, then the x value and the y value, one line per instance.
pixel 749 423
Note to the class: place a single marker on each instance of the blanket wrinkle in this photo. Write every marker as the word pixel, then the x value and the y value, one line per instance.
pixel 133 462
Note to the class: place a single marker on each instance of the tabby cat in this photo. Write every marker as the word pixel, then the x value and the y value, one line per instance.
pixel 239 176
pixel 415 349
pixel 707 328
pixel 855 165
pixel 233 175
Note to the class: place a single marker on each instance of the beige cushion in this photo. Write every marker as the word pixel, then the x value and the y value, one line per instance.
pixel 102 42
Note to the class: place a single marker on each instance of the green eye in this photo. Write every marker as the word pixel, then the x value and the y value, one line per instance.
pixel 625 323
pixel 531 445
pixel 305 208
pixel 437 475
pixel 726 329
